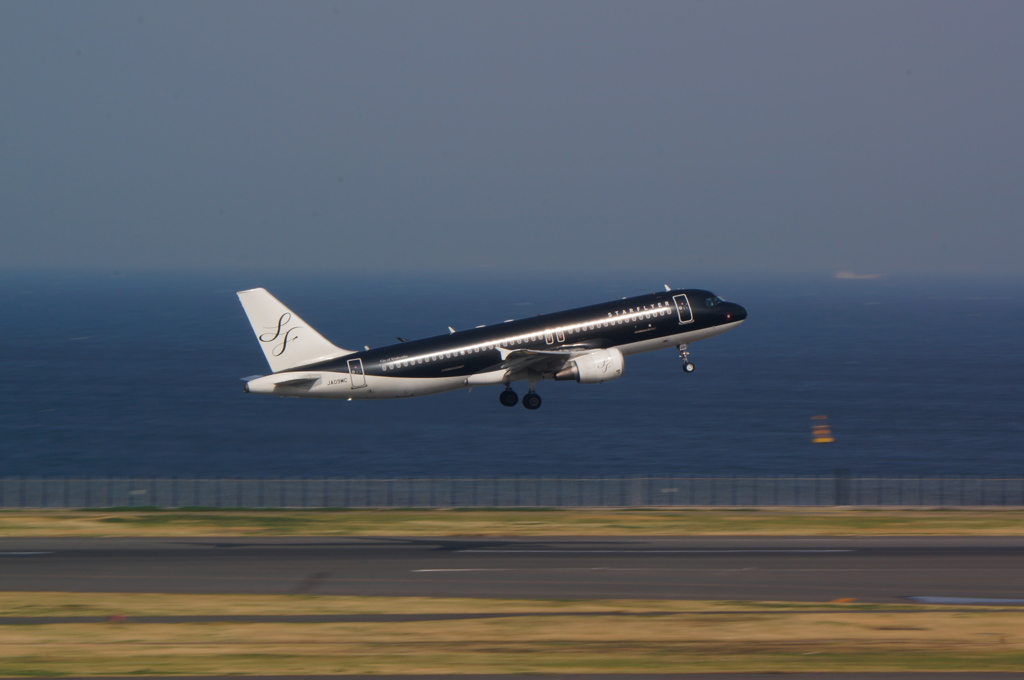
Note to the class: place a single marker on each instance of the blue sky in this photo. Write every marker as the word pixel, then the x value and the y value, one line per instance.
pixel 504 137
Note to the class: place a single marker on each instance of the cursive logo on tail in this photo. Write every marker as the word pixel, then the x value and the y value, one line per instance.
pixel 285 335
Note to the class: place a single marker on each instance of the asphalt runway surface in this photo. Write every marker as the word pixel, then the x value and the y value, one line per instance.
pixel 887 570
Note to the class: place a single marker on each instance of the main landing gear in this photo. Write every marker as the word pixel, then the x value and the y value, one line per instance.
pixel 684 354
pixel 508 397
pixel 531 400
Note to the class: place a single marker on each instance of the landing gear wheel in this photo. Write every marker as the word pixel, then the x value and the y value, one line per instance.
pixel 531 400
pixel 508 398
pixel 684 354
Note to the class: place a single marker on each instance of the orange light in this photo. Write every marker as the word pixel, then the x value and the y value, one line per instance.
pixel 821 432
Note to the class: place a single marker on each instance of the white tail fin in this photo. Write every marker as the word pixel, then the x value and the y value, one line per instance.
pixel 288 342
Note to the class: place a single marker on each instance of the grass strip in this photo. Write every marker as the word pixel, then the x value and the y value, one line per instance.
pixel 15 603
pixel 552 522
pixel 740 637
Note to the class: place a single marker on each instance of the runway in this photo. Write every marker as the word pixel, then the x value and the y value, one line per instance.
pixel 885 570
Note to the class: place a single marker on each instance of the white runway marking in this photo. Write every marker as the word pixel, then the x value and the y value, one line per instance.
pixel 26 553
pixel 653 552
pixel 567 569
pixel 422 570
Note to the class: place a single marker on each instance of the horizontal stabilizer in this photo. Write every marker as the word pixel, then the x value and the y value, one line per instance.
pixel 307 380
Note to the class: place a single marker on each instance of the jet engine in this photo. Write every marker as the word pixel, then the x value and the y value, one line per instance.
pixel 594 367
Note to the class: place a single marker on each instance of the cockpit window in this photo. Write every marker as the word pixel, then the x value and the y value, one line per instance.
pixel 713 300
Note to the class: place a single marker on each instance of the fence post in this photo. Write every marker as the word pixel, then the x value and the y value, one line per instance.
pixel 842 487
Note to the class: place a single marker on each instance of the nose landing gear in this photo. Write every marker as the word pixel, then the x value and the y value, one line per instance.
pixel 684 354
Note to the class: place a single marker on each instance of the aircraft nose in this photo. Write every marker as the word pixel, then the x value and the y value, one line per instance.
pixel 735 313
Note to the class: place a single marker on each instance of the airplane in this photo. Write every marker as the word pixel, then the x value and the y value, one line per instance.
pixel 586 344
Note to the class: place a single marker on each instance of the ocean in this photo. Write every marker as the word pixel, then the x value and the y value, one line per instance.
pixel 139 375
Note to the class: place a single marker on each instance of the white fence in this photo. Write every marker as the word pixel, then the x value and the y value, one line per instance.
pixel 533 492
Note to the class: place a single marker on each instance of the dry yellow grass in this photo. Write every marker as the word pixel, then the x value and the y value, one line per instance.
pixel 581 522
pixel 777 641
pixel 164 604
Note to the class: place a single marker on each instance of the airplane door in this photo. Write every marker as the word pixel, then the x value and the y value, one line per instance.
pixel 683 309
pixel 355 371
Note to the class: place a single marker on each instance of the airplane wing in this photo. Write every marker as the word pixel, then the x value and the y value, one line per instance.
pixel 540 360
